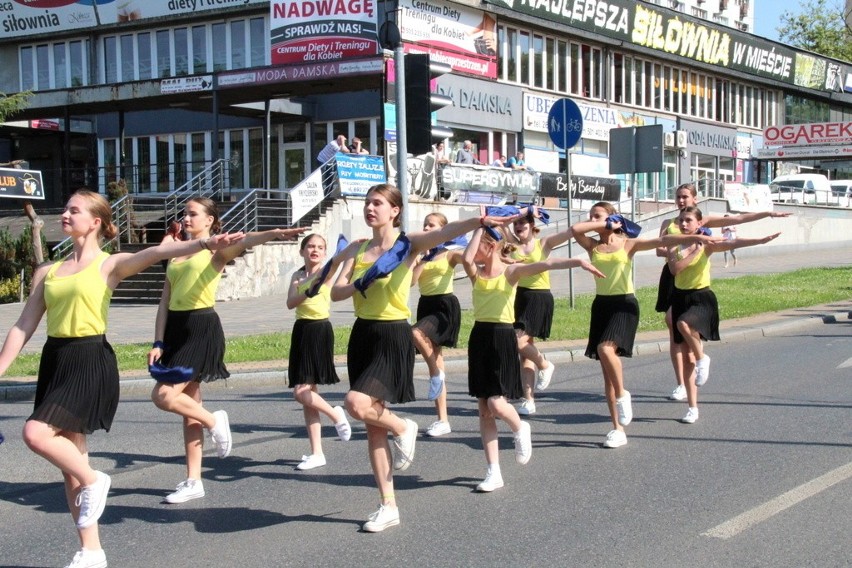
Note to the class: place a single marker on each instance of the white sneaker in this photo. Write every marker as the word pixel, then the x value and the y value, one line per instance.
pixel 186 491
pixel 312 461
pixel 691 415
pixel 385 517
pixel 438 428
pixel 344 430
pixel 624 407
pixel 490 483
pixel 523 443
pixel 88 559
pixel 702 370
pixel 615 439
pixel 221 434
pixel 527 407
pixel 679 393
pixel 403 448
pixel 92 500
pixel 436 385
pixel 544 377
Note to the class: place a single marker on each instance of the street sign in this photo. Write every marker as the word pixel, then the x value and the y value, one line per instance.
pixel 565 123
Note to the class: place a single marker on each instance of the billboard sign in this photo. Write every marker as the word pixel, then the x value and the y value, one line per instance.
pixel 21 184
pixel 318 31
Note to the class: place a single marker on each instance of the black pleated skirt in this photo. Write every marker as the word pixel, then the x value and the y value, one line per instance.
pixel 615 319
pixel 494 366
pixel 665 290
pixel 380 360
pixel 534 312
pixel 311 357
pixel 77 388
pixel 195 339
pixel 700 309
pixel 439 318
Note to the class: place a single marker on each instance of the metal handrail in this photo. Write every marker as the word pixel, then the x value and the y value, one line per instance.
pixel 210 183
pixel 214 178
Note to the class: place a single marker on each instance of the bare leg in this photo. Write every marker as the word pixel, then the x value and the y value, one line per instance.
pixel 173 398
pixel 613 379
pixel 488 432
pixel 193 435
pixel 313 406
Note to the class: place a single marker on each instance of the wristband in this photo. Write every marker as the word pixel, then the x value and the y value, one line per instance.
pixel 159 345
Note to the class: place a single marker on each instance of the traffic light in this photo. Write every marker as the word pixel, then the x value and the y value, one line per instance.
pixel 421 102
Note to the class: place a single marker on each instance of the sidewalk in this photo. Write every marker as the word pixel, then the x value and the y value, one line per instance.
pixel 134 324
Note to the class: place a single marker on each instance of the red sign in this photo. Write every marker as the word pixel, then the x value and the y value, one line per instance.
pixel 43 124
pixel 805 134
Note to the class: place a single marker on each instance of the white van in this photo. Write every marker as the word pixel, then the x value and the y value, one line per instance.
pixel 802 188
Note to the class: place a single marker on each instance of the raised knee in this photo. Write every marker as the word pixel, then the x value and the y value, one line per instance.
pixel 161 398
pixel 355 408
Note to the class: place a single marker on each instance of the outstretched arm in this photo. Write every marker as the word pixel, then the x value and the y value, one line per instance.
pixel 121 265
pixel 719 246
pixel 27 322
pixel 424 240
pixel 721 221
pixel 515 272
pixel 229 253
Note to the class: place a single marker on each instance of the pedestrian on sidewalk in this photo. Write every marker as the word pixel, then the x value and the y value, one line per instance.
pixel 438 318
pixel 686 195
pixel 615 310
pixel 695 310
pixel 534 306
pixel 730 234
pixel 377 274
pixel 78 384
pixel 494 370
pixel 311 360
pixel 189 343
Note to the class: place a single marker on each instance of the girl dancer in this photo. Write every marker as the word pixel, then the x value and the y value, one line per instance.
pixel 685 196
pixel 615 310
pixel 494 372
pixel 312 351
pixel 438 318
pixel 695 310
pixel 78 388
pixel 533 308
pixel 188 334
pixel 380 355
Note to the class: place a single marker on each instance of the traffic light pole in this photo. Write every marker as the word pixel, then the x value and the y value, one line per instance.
pixel 401 134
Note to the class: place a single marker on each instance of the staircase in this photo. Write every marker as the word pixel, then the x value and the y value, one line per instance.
pixel 143 288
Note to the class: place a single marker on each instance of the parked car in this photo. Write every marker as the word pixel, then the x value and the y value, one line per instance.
pixel 802 188
pixel 842 191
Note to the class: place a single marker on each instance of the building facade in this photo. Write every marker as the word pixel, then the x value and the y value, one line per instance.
pixel 151 92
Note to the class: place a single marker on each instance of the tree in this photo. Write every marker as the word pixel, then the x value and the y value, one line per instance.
pixel 10 104
pixel 820 27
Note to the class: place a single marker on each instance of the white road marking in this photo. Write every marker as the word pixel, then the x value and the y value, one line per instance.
pixel 846 363
pixel 786 500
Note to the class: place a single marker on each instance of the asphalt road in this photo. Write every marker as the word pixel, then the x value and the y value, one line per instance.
pixel 763 478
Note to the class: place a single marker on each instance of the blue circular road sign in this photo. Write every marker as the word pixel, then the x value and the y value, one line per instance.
pixel 565 123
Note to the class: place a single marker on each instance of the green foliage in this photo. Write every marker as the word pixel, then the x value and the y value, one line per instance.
pixel 10 104
pixel 819 27
pixel 16 254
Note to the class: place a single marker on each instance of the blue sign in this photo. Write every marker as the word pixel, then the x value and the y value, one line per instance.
pixel 565 123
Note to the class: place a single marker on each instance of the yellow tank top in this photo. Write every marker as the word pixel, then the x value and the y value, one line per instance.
pixel 539 281
pixel 617 267
pixel 387 298
pixel 193 281
pixel 77 305
pixel 436 277
pixel 493 300
pixel 315 308
pixel 696 275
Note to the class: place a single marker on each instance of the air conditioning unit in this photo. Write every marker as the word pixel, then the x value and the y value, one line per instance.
pixel 670 139
pixel 680 139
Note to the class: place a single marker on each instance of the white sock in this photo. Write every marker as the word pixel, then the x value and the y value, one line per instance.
pixel 494 469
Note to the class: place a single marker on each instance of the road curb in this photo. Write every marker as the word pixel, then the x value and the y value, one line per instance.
pixel 556 351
